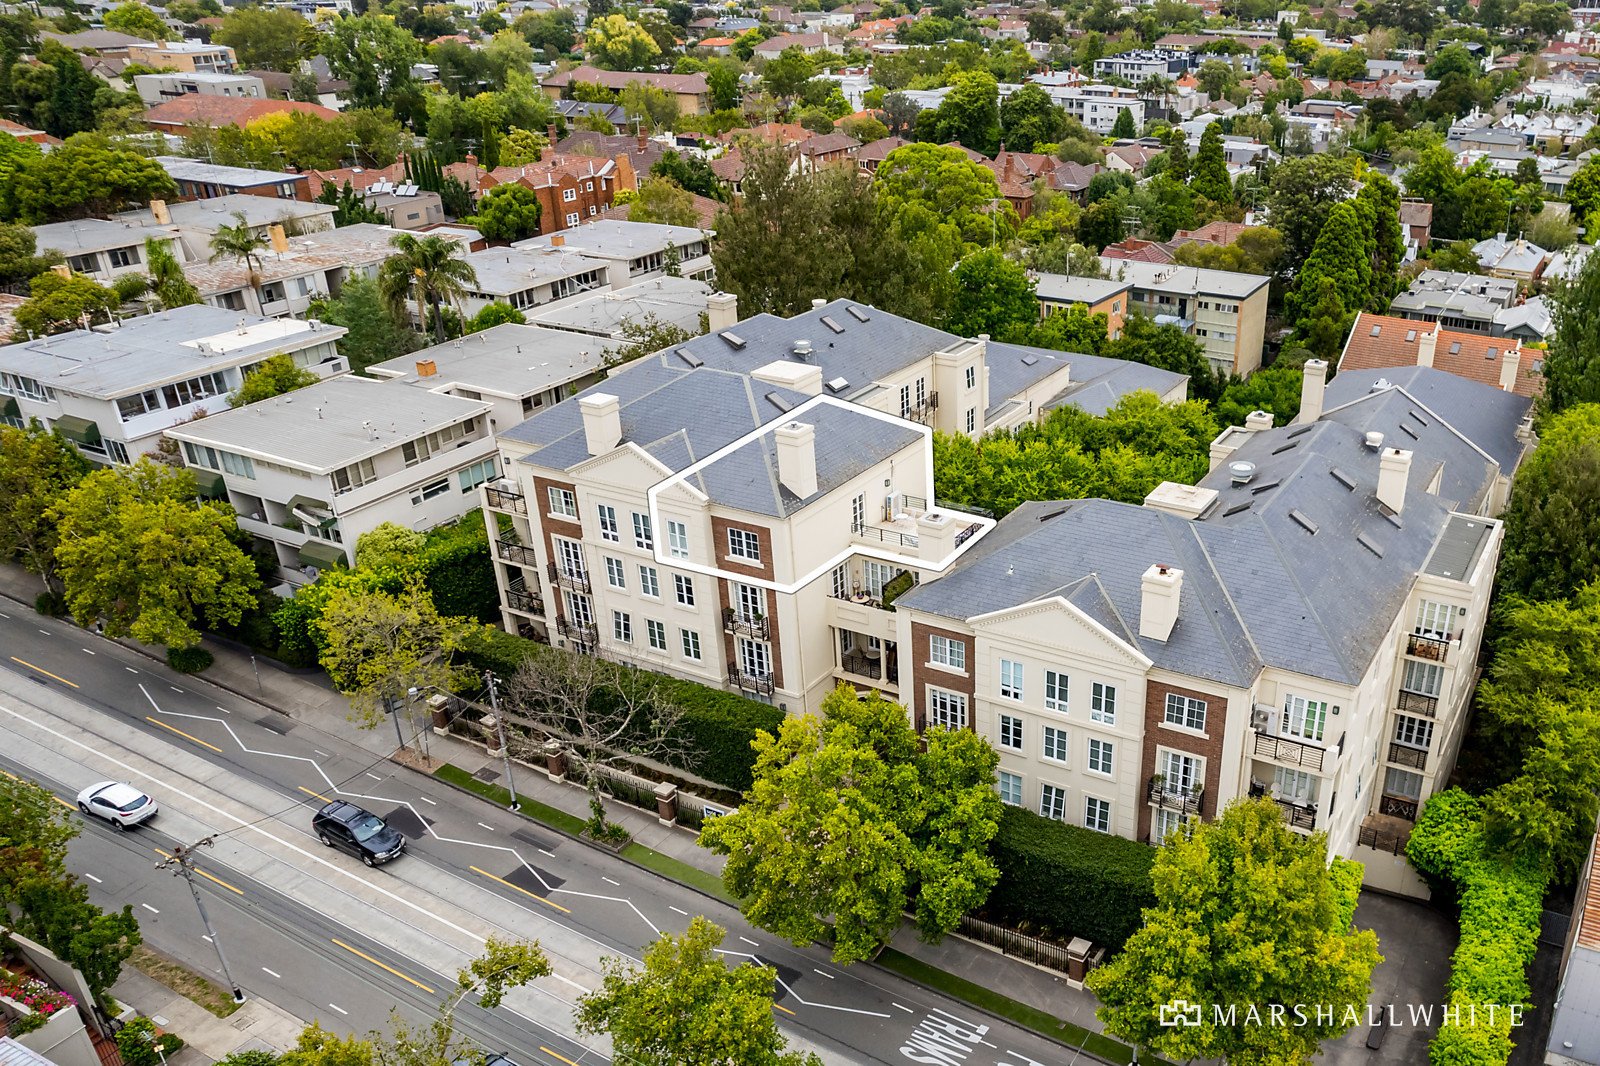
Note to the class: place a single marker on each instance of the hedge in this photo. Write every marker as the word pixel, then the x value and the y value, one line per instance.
pixel 1500 910
pixel 1069 881
pixel 458 568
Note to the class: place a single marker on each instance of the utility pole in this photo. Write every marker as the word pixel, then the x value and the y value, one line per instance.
pixel 500 730
pixel 183 858
pixel 392 707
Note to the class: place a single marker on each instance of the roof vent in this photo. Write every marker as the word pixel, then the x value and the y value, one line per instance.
pixel 1374 440
pixel 857 313
pixel 1242 472
pixel 732 338
pixel 802 350
pixel 838 385
pixel 1380 385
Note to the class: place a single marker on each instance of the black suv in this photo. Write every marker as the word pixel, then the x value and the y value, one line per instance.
pixel 360 832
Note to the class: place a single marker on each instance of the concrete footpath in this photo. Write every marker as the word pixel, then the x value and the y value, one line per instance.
pixel 256 1026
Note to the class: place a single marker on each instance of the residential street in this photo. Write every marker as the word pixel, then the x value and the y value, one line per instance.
pixel 77 708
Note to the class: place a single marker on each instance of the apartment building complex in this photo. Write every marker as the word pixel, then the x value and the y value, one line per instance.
pixel 102 249
pixel 1303 624
pixel 310 471
pixel 115 389
pixel 1224 310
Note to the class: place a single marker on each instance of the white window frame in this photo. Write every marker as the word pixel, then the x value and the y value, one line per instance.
pixel 1053 802
pixel 1054 745
pixel 1181 770
pixel 1011 679
pixel 649 582
pixel 1010 732
pixel 691 644
pixel 608 523
pixel 1057 686
pixel 643 534
pixel 677 539
pixel 622 626
pixel 947 709
pixel 616 573
pixel 1185 712
pixel 1413 732
pixel 1097 814
pixel 1103 703
pixel 1434 619
pixel 656 634
pixel 1422 677
pixel 744 544
pixel 563 504
pixel 683 586
pixel 1101 757
pixel 1305 718
pixel 947 652
pixel 1009 785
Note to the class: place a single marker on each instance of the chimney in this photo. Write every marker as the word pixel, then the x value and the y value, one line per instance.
pixel 1313 382
pixel 280 239
pixel 602 422
pixel 722 311
pixel 158 208
pixel 472 160
pixel 426 368
pixel 1158 602
pixel 1427 344
pixel 797 458
pixel 557 241
pixel 644 140
pixel 1393 468
pixel 1508 370
pixel 550 135
pixel 1256 421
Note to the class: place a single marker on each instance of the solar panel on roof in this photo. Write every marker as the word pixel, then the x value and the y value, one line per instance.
pixel 828 320
pixel 732 338
pixel 1303 521
pixel 778 401
pixel 857 314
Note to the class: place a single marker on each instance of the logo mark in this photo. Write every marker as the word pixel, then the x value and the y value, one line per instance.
pixel 1179 1013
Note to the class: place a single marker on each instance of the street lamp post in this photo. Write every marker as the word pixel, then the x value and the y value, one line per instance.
pixel 392 707
pixel 500 731
pixel 183 857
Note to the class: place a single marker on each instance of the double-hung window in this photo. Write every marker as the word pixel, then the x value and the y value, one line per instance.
pixel 622 626
pixel 657 634
pixel 1010 679
pixel 1055 744
pixel 1103 703
pixel 649 584
pixel 1010 788
pixel 1097 814
pixel 691 644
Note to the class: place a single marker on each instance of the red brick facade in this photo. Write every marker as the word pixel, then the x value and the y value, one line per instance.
pixel 914 665
pixel 722 557
pixel 571 528
pixel 1158 734
pixel 730 641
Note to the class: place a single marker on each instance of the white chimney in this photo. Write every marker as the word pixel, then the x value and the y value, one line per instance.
pixel 1256 421
pixel 1158 603
pixel 797 458
pixel 1393 469
pixel 1313 383
pixel 1508 370
pixel 722 311
pixel 1427 344
pixel 602 422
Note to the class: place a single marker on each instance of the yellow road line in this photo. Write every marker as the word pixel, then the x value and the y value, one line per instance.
pixel 181 733
pixel 518 888
pixel 319 795
pixel 43 671
pixel 383 966
pixel 786 1010
pixel 202 873
pixel 557 1056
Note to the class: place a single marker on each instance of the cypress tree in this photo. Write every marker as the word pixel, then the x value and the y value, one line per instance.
pixel 1211 168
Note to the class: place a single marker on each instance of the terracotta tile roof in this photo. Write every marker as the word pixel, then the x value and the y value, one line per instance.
pixel 1218 232
pixel 717 42
pixel 1379 341
pixel 785 133
pixel 876 150
pixel 1138 251
pixel 215 111
pixel 621 79
pixel 729 166
pixel 828 143
pixel 1416 213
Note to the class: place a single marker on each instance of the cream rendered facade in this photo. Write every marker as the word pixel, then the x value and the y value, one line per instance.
pixel 622 556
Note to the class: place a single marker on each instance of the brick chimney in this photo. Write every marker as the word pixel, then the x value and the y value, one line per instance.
pixel 644 140
pixel 427 368
pixel 158 209
pixel 550 133
pixel 472 160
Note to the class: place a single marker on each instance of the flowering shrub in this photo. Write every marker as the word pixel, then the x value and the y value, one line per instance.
pixel 37 996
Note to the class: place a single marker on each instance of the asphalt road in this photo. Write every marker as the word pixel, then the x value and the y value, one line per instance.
pixel 859 1014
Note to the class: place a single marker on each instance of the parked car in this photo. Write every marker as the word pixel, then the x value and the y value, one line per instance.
pixel 118 803
pixel 357 830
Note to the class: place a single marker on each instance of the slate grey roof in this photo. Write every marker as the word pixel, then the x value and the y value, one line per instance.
pixel 1460 548
pixel 1274 574
pixel 1484 415
pixel 1098 384
pixel 675 301
pixel 506 360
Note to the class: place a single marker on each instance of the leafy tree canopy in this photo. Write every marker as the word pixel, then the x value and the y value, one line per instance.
pixel 273 376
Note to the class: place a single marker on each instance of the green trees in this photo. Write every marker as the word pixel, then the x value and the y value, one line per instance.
pixel 167 279
pixel 993 295
pixel 377 331
pixel 1275 389
pixel 429 270
pixel 684 1005
pixel 1135 446
pixel 348 207
pixel 1552 544
pixel 1166 346
pixel 136 20
pixel 848 820
pixel 37 469
pixel 1029 119
pixel 1300 197
pixel 1341 265
pixel 374 55
pixel 57 304
pixel 783 76
pixel 1248 914
pixel 138 553
pixel 1211 168
pixel 508 213
pixel 273 376
pixel 970 113
pixel 661 200
pixel 263 38
pixel 239 242
pixel 1572 369
pixel 1379 205
pixel 1123 128
pixel 616 42
pixel 934 190
pixel 87 175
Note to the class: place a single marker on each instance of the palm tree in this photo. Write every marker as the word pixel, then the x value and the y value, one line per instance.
pixel 1157 85
pixel 239 242
pixel 167 279
pixel 429 270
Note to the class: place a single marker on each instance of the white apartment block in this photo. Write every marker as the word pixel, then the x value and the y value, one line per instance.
pixel 159 88
pixel 1303 624
pixel 1224 310
pixel 115 389
pixel 291 272
pixel 636 251
pixel 105 250
pixel 1098 106
pixel 308 472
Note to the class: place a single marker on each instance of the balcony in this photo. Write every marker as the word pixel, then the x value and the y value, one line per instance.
pixel 1398 807
pixel 504 499
pixel 1418 703
pixel 579 633
pixel 758 684
pixel 1384 833
pixel 520 554
pixel 968 533
pixel 883 535
pixel 1289 751
pixel 745 625
pixel 1298 815
pixel 518 598
pixel 1185 801
pixel 859 662
pixel 569 577
pixel 923 410
pixel 1403 755
pixel 1432 648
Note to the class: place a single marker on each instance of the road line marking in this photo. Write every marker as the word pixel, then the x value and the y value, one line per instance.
pixel 608 881
pixel 824 973
pixel 786 1010
pixel 46 632
pixel 549 853
pixel 130 669
pixel 324 754
pixel 374 776
pixel 908 1010
pixel 490 828
pixel 64 803
pixel 670 907
pixel 747 940
pixel 43 671
pixel 149 908
pixel 431 803
pixel 382 966
pixel 86 651
pixel 207 939
pixel 557 1056
pixel 181 733
pixel 224 710
pixel 95 879
pixel 338 1008
pixel 274 973
pixel 175 688
pixel 319 795
pixel 202 873
pixel 519 888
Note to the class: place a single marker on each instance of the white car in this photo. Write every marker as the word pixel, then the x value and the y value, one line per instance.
pixel 120 804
